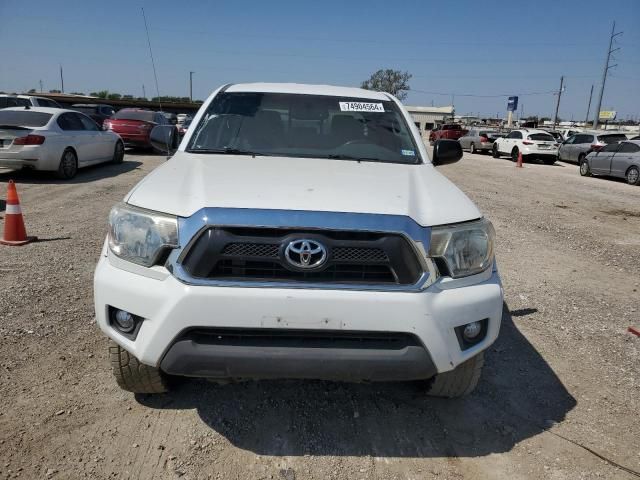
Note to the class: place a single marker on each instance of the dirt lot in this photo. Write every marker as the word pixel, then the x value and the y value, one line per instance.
pixel 564 369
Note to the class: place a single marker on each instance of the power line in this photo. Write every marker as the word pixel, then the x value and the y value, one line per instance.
pixel 448 94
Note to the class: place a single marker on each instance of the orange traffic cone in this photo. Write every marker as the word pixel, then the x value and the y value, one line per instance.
pixel 519 162
pixel 14 231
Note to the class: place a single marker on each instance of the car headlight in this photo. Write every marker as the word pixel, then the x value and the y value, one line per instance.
pixel 464 249
pixel 141 236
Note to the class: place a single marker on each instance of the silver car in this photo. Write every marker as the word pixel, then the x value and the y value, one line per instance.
pixel 575 148
pixel 478 139
pixel 615 160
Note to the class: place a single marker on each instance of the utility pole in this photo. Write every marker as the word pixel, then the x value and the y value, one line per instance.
pixel 191 86
pixel 586 119
pixel 61 80
pixel 144 93
pixel 555 117
pixel 40 86
pixel 604 73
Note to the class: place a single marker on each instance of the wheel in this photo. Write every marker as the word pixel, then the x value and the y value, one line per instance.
pixel 633 176
pixel 68 165
pixel 118 152
pixel 133 376
pixel 472 148
pixel 514 154
pixel 458 382
pixel 585 171
pixel 581 157
pixel 494 151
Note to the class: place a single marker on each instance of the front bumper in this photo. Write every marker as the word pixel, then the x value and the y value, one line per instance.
pixel 170 307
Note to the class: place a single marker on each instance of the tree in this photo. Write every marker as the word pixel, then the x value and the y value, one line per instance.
pixel 55 91
pixel 114 96
pixel 391 81
pixel 33 90
pixel 100 94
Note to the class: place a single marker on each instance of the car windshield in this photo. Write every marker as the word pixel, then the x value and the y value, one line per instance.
pixel 611 138
pixel 23 118
pixel 141 115
pixel 296 125
pixel 543 137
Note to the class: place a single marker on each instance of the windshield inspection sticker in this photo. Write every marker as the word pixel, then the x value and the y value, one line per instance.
pixel 360 107
pixel 408 153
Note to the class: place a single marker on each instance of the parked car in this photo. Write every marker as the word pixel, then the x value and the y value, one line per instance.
pixel 637 137
pixel 7 101
pixel 479 139
pixel 171 117
pixel 620 160
pixel 183 127
pixel 54 139
pixel 98 112
pixel 570 132
pixel 577 147
pixel 183 117
pixel 260 247
pixel 555 134
pixel 134 125
pixel 449 131
pixel 532 143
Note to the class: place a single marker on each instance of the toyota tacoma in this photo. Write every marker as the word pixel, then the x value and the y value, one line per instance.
pixel 299 231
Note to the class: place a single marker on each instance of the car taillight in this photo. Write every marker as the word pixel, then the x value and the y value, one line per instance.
pixel 527 143
pixel 596 146
pixel 106 125
pixel 484 139
pixel 29 140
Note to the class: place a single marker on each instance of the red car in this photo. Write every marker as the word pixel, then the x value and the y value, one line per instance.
pixel 134 125
pixel 448 131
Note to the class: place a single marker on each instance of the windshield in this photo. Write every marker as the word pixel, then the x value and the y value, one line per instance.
pixel 611 138
pixel 295 125
pixel 544 137
pixel 24 118
pixel 141 115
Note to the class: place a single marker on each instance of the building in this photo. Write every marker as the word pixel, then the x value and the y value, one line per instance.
pixel 426 118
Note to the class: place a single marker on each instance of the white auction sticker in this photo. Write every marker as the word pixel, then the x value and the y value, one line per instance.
pixel 360 107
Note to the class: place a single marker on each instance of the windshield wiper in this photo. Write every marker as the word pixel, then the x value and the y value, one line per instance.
pixel 351 157
pixel 227 151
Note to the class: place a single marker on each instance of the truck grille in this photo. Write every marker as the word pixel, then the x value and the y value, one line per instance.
pixel 256 254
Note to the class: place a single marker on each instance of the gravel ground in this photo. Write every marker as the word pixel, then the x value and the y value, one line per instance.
pixel 563 372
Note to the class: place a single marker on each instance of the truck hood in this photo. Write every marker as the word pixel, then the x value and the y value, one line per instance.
pixel 188 182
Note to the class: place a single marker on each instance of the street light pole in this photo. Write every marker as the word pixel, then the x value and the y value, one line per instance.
pixel 191 86
pixel 555 117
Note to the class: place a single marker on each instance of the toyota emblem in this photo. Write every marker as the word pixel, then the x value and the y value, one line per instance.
pixel 305 254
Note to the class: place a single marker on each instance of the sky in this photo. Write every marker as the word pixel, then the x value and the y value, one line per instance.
pixel 469 52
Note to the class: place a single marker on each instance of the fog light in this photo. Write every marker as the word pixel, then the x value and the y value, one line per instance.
pixel 124 321
pixel 472 330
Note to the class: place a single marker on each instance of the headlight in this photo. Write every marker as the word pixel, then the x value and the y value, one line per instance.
pixel 465 249
pixel 141 236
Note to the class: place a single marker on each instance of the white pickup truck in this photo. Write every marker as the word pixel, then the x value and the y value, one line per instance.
pixel 299 231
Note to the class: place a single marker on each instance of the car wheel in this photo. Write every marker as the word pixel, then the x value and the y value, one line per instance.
pixel 585 171
pixel 133 376
pixel 472 148
pixel 458 382
pixel 514 154
pixel 118 152
pixel 633 176
pixel 581 158
pixel 494 151
pixel 68 165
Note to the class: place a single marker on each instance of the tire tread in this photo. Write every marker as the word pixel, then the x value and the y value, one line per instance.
pixel 458 382
pixel 134 376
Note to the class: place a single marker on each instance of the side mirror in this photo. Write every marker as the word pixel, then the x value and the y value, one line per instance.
pixel 445 152
pixel 164 138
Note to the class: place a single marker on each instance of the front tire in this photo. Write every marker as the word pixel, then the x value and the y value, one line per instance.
pixel 68 167
pixel 118 153
pixel 633 176
pixel 133 376
pixel 494 151
pixel 472 148
pixel 585 171
pixel 460 381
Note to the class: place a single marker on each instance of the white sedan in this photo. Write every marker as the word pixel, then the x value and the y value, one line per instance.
pixel 55 140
